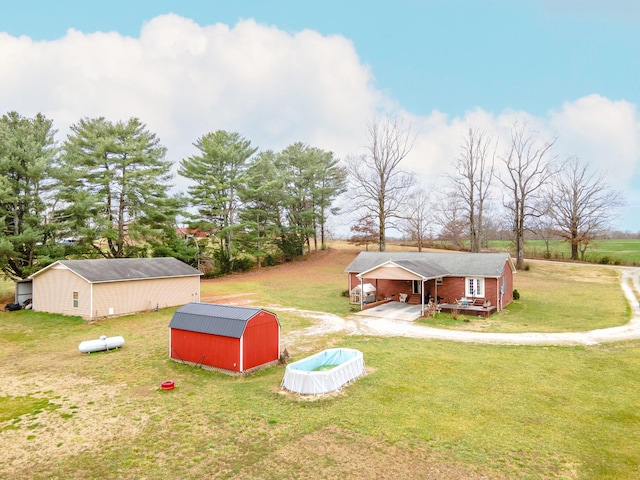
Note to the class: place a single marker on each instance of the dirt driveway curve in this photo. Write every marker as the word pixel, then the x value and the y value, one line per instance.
pixel 361 325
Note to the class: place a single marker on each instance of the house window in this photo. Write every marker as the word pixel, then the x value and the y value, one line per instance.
pixel 75 299
pixel 417 287
pixel 475 287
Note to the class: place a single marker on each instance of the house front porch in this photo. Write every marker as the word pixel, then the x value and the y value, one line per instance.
pixel 472 310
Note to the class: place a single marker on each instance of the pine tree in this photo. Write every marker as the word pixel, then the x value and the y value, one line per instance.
pixel 27 151
pixel 115 183
pixel 216 176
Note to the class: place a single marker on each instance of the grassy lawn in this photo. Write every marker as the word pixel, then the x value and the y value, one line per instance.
pixel 425 409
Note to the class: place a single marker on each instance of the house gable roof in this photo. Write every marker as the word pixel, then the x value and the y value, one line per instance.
pixel 122 269
pixel 427 264
pixel 404 270
pixel 224 320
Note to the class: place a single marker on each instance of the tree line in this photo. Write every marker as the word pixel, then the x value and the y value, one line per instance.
pixel 105 191
pixel 524 188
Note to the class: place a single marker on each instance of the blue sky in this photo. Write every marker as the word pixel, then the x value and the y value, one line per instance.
pixel 563 65
pixel 446 55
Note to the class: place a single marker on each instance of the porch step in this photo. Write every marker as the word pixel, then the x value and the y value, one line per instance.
pixel 414 300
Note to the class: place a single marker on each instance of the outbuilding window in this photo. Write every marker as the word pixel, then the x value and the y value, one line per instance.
pixel 76 297
pixel 474 287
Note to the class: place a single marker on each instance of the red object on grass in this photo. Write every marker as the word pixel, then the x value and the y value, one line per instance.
pixel 168 385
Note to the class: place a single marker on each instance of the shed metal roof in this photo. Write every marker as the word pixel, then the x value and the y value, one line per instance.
pixel 122 269
pixel 224 320
pixel 429 264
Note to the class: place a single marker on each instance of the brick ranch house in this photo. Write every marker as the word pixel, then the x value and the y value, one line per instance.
pixel 478 280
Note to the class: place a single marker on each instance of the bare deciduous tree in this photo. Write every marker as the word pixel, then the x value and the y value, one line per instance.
pixel 472 180
pixel 581 205
pixel 379 183
pixel 448 214
pixel 545 226
pixel 529 166
pixel 418 218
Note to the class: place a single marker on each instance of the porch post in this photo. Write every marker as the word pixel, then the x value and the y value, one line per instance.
pixel 422 293
pixel 435 291
pixel 361 292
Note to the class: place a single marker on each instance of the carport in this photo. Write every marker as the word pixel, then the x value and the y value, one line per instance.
pixel 404 270
pixel 394 311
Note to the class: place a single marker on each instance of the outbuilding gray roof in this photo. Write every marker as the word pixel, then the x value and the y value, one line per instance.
pixel 121 269
pixel 225 320
pixel 429 264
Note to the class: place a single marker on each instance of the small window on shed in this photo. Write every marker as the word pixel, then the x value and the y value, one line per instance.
pixel 76 297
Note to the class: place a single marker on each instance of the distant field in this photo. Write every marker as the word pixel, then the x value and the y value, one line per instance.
pixel 611 252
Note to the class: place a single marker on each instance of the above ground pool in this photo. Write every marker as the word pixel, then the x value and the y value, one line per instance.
pixel 324 372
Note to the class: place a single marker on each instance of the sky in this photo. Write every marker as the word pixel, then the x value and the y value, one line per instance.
pixel 318 72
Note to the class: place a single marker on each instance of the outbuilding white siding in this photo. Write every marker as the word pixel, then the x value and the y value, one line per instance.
pixel 104 288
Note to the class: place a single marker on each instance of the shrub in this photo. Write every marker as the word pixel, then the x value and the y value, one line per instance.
pixel 516 295
pixel 345 293
pixel 270 261
pixel 242 264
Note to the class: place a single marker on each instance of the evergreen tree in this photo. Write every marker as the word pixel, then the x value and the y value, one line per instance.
pixel 217 175
pixel 295 168
pixel 329 181
pixel 261 195
pixel 115 182
pixel 27 151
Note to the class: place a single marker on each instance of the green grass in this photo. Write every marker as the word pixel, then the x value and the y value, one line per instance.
pixel 12 408
pixel 613 251
pixel 445 409
pixel 507 412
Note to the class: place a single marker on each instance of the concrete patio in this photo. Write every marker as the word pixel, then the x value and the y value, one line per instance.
pixel 394 311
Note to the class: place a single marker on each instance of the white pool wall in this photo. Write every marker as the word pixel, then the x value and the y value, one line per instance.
pixel 300 377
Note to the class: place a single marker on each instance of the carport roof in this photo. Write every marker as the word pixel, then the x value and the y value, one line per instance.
pixel 405 270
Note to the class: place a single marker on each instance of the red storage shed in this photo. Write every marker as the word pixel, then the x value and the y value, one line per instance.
pixel 224 337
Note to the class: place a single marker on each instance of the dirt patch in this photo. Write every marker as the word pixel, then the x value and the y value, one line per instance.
pixel 335 453
pixel 239 299
pixel 81 421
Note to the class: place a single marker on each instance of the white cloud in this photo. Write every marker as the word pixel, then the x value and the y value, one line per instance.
pixel 602 132
pixel 184 80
